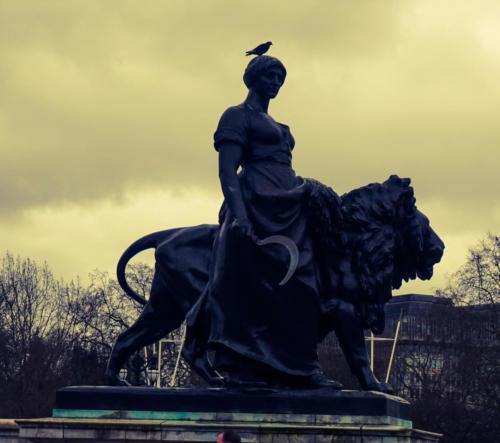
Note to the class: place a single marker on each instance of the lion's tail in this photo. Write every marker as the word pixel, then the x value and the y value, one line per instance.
pixel 146 242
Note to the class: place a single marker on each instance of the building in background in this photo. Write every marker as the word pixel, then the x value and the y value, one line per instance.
pixel 441 348
pixel 439 344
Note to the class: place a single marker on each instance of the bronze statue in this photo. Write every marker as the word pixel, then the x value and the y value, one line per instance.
pixel 289 261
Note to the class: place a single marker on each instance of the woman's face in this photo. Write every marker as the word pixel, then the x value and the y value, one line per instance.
pixel 269 82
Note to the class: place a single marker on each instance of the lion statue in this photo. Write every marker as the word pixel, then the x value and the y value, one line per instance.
pixel 369 241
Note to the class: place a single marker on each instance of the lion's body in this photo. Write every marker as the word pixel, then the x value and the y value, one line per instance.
pixel 369 241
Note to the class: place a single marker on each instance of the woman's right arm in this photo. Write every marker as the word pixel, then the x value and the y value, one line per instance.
pixel 230 155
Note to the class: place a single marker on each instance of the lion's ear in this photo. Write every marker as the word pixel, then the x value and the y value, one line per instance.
pixel 396 180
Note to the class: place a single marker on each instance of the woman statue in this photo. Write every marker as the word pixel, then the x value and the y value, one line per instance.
pixel 260 331
pixel 246 326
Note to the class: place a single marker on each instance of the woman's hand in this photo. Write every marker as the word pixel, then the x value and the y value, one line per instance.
pixel 243 228
pixel 229 161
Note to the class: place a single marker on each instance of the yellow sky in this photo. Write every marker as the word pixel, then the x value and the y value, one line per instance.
pixel 107 110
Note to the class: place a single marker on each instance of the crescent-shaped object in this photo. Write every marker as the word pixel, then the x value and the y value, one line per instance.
pixel 290 245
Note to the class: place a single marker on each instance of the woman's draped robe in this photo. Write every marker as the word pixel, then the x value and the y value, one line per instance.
pixel 243 314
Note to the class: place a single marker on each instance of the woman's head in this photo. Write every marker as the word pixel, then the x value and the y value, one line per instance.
pixel 228 437
pixel 265 74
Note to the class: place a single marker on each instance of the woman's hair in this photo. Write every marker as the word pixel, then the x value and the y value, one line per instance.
pixel 258 65
pixel 231 437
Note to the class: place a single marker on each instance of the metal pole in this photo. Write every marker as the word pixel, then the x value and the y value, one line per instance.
pixel 147 365
pixel 393 347
pixel 181 345
pixel 158 376
pixel 372 350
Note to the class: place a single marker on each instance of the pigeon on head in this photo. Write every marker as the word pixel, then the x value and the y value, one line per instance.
pixel 260 50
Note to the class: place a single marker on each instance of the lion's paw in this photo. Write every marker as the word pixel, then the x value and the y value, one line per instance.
pixel 380 387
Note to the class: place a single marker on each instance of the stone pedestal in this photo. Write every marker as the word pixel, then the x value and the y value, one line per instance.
pixel 103 414
pixel 9 432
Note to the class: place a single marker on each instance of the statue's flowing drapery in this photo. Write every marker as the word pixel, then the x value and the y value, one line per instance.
pixel 250 318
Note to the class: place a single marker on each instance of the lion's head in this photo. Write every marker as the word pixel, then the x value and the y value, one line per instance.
pixel 389 239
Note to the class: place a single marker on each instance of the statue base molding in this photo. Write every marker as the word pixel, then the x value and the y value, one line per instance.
pixel 102 414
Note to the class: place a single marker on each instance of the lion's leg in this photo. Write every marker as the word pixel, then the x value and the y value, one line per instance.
pixel 148 329
pixel 351 338
pixel 153 324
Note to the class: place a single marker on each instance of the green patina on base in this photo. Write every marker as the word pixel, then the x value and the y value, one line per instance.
pixel 135 415
pixel 206 417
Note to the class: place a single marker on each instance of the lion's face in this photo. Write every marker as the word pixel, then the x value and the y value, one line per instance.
pixel 388 239
pixel 419 249
pixel 432 248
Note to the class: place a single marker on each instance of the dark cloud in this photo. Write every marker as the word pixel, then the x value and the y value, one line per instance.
pixel 103 98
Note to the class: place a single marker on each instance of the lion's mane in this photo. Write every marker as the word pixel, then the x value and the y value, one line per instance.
pixel 377 226
pixel 383 231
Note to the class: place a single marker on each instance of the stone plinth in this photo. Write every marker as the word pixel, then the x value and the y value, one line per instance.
pixel 102 414
pixel 9 432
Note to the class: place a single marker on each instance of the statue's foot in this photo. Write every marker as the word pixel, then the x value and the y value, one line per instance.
pixel 369 382
pixel 212 379
pixel 115 380
pixel 319 381
pixel 204 369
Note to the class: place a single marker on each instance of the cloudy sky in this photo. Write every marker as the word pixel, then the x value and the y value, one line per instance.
pixel 107 110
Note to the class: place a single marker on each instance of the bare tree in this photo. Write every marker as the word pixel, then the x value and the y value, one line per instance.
pixel 477 282
pixel 102 312
pixel 54 333
pixel 37 331
pixel 452 376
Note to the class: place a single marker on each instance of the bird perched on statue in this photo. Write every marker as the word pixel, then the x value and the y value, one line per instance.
pixel 261 49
